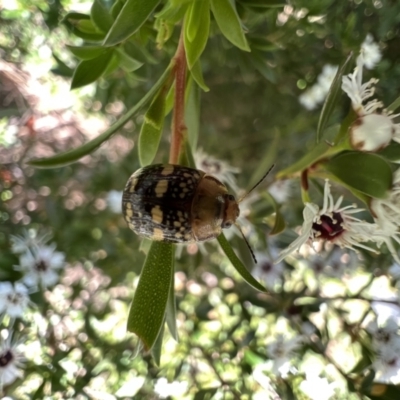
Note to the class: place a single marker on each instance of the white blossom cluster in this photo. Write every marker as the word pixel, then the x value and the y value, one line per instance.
pixel 386 343
pixel 316 94
pixel 39 264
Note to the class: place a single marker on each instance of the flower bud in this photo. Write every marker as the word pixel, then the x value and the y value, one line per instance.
pixel 371 132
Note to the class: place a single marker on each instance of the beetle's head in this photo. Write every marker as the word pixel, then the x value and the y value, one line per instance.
pixel 231 211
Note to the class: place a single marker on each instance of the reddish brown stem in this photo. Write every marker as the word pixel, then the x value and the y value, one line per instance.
pixel 178 118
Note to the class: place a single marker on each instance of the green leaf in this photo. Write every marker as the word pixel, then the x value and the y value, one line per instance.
pixel 391 152
pixel 229 23
pixel 312 156
pixel 150 134
pixel 71 156
pixel 365 172
pixel 246 275
pixel 170 316
pixel 395 105
pixel 81 26
pixel 133 15
pixel 89 71
pixel 280 224
pixel 101 17
pixel 264 3
pixel 147 312
pixel 197 75
pixel 86 52
pixel 157 348
pixel 62 69
pixel 128 63
pixel 192 113
pixel 332 97
pixel 198 15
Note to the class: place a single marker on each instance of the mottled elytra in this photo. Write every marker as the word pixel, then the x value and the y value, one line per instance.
pixel 177 204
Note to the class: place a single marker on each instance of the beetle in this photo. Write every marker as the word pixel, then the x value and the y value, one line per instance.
pixel 177 204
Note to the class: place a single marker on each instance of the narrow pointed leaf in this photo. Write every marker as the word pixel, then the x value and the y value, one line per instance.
pixel 192 113
pixel 229 23
pixel 81 26
pixel 150 134
pixel 101 17
pixel 201 19
pixel 197 75
pixel 246 275
pixel 132 16
pixel 365 172
pixel 170 316
pixel 279 225
pixel 157 348
pixel 71 156
pixel 147 313
pixel 332 97
pixel 89 71
pixel 86 52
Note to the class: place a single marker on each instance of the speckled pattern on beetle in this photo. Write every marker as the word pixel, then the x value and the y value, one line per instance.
pixel 177 204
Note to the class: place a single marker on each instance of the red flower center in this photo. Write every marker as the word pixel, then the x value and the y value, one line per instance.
pixel 328 227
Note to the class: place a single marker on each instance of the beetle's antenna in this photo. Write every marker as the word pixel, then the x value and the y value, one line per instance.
pixel 265 175
pixel 248 244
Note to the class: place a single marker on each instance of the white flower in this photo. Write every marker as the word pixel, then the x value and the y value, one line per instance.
pixel 10 363
pixel 339 262
pixel 327 76
pixel 174 389
pixel 387 364
pixel 372 131
pixel 280 190
pixel 217 168
pixel 39 265
pixel 13 299
pixel 282 350
pixel 335 224
pixel 384 333
pixel 114 201
pixel 312 97
pixel 387 211
pixel 371 52
pixel 317 388
pixel 394 271
pixel 316 94
pixel 31 238
pixel 265 269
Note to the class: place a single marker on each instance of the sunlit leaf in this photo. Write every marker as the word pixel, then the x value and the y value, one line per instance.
pixel 101 17
pixel 71 156
pixel 132 16
pixel 89 71
pixel 197 27
pixel 365 172
pixel 150 133
pixel 229 23
pixel 240 268
pixel 332 97
pixel 147 312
